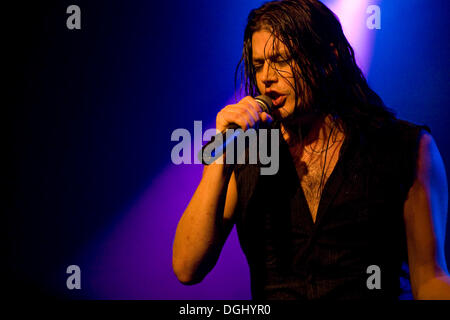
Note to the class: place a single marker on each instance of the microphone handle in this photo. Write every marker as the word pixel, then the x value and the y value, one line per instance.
pixel 218 150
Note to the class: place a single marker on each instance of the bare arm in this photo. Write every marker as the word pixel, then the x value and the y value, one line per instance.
pixel 205 225
pixel 425 214
pixel 208 219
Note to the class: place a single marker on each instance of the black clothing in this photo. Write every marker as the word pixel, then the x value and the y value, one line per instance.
pixel 359 220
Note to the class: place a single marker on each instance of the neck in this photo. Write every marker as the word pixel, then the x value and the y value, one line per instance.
pixel 313 130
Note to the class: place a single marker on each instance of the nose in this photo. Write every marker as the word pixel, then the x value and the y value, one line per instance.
pixel 269 74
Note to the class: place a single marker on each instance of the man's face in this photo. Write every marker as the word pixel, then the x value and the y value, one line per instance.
pixel 274 76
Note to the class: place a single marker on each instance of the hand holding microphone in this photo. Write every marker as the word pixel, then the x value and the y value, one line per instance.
pixel 246 114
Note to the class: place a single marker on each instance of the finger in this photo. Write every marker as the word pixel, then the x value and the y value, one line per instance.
pixel 243 114
pixel 230 116
pixel 255 105
pixel 265 117
pixel 249 110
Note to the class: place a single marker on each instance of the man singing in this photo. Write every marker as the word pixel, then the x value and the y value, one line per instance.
pixel 358 206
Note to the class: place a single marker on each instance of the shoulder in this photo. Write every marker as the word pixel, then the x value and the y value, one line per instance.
pixel 392 151
pixel 396 132
pixel 417 140
pixel 401 141
pixel 395 139
pixel 403 129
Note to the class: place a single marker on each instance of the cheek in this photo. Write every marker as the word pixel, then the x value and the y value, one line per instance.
pixel 286 77
pixel 288 86
pixel 259 84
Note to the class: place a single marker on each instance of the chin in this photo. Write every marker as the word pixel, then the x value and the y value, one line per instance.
pixel 283 112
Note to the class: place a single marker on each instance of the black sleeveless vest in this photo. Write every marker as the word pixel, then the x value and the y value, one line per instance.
pixel 359 221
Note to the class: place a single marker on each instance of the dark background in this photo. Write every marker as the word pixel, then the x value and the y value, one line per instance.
pixel 91 113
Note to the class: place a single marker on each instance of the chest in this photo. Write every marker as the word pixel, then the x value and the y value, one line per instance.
pixel 313 170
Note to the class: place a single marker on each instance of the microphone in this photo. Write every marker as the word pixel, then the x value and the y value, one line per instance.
pixel 207 158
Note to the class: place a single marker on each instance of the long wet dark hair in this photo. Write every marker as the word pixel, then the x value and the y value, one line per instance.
pixel 324 82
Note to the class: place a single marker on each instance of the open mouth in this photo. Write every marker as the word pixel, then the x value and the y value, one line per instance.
pixel 278 102
pixel 277 99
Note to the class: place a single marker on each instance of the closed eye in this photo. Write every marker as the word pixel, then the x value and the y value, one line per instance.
pixel 257 66
pixel 281 61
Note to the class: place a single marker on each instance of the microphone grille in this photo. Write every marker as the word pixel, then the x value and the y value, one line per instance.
pixel 265 102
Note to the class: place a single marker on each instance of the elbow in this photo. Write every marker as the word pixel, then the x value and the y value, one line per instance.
pixel 184 274
pixel 187 280
pixel 437 288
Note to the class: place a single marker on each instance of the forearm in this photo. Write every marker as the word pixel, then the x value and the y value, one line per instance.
pixel 200 232
pixel 436 288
